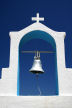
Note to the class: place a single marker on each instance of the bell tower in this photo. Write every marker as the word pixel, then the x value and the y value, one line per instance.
pixel 8 82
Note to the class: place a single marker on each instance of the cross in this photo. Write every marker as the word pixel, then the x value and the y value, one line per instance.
pixel 37 18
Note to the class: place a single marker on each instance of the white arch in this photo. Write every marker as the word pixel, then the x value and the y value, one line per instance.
pixel 9 75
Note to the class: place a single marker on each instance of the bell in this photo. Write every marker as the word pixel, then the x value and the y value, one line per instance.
pixel 37 66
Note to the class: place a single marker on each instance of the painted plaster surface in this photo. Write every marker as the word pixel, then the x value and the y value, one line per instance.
pixel 8 83
pixel 36 102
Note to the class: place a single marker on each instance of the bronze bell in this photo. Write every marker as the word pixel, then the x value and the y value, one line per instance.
pixel 37 66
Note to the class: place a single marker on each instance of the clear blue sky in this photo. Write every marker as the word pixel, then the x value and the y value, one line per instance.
pixel 16 15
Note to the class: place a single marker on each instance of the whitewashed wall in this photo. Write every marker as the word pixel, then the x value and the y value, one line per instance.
pixel 8 83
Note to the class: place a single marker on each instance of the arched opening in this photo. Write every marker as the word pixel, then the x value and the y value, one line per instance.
pixel 48 82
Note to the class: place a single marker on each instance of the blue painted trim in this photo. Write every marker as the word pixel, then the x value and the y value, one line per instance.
pixel 57 85
pixel 41 35
pixel 18 84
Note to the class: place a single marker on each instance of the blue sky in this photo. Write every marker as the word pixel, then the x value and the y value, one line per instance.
pixel 16 15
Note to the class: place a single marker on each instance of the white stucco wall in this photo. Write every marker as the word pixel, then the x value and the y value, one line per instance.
pixel 36 102
pixel 8 83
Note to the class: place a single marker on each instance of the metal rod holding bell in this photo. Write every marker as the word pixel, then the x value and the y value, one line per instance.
pixel 38 51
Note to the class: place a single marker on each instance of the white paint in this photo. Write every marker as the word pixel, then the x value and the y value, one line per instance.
pixel 37 18
pixel 36 102
pixel 8 83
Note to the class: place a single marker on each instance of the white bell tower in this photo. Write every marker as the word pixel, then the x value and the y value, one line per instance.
pixel 8 82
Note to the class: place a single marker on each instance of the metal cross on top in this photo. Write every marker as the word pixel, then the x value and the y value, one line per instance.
pixel 37 19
